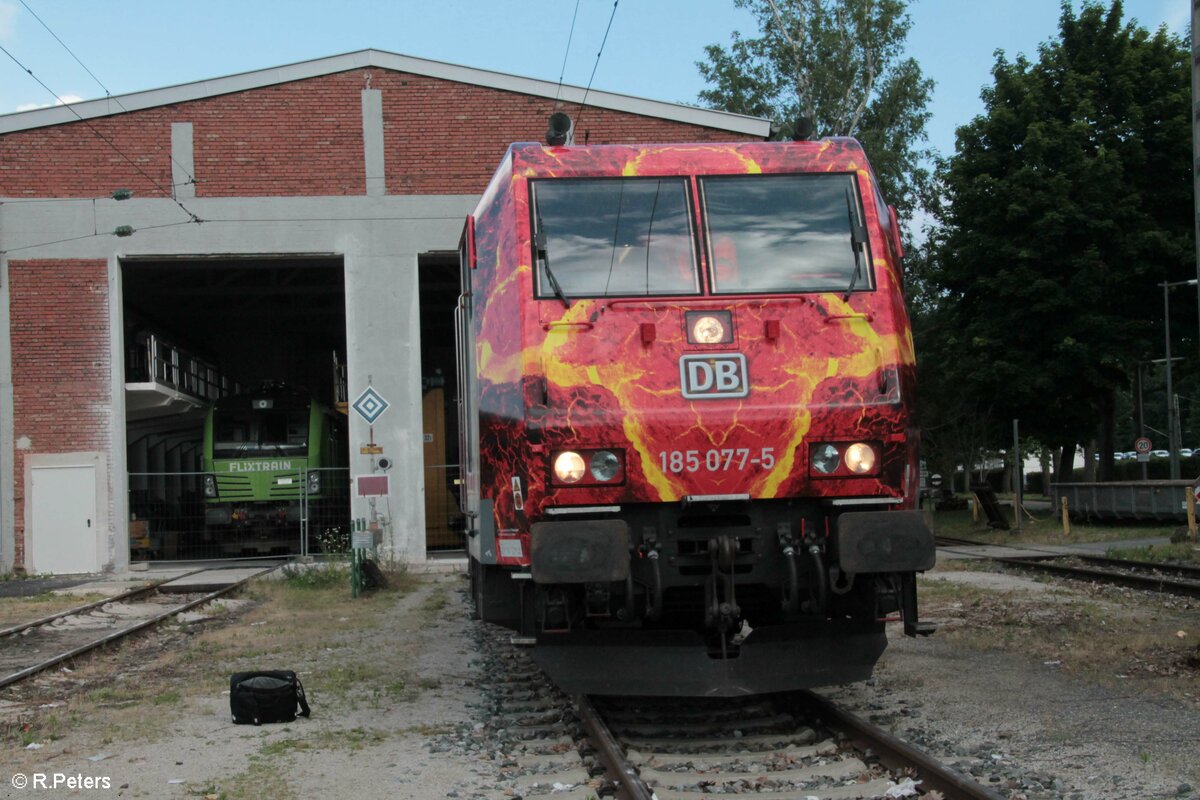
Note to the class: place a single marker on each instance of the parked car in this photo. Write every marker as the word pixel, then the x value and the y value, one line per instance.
pixel 1186 452
pixel 1160 454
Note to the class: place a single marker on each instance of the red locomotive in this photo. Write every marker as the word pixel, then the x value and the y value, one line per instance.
pixel 688 448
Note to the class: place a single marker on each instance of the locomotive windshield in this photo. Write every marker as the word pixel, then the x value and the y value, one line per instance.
pixel 239 433
pixel 622 237
pixel 785 233
pixel 767 234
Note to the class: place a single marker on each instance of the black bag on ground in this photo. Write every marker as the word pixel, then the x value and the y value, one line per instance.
pixel 270 696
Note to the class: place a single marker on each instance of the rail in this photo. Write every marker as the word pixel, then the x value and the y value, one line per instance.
pixel 897 754
pixel 116 598
pixel 655 733
pixel 115 636
pixel 1189 586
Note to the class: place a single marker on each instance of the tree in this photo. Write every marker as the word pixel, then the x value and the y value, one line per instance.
pixel 1064 205
pixel 839 65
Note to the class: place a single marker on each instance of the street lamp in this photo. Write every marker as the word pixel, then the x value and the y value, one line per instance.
pixel 1173 443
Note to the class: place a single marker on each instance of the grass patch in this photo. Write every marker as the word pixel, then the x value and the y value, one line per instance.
pixel 284 746
pixel 344 680
pixel 112 695
pixel 17 610
pixel 1181 553
pixel 316 576
pixel 435 603
pixel 1044 528
pixel 349 652
pixel 1098 633
pixel 40 729
pixel 353 739
pixel 260 779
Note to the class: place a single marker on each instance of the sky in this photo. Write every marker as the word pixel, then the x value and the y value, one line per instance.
pixel 651 49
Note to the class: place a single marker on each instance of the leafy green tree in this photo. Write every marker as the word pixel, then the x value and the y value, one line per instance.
pixel 839 65
pixel 1064 205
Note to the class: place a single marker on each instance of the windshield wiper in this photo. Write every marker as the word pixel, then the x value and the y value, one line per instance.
pixel 539 240
pixel 858 237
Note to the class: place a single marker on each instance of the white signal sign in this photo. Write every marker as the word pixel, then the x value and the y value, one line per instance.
pixel 370 404
pixel 1143 445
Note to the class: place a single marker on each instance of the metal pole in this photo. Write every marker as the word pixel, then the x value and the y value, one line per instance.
pixel 1196 138
pixel 1017 498
pixel 1141 416
pixel 1177 445
pixel 1173 453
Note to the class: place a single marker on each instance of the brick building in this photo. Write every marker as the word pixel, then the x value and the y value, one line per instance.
pixel 281 220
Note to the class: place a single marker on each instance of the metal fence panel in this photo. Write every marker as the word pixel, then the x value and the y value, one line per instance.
pixel 1140 500
pixel 168 519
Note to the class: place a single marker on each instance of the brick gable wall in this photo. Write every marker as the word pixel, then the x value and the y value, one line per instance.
pixel 304 138
pixel 61 364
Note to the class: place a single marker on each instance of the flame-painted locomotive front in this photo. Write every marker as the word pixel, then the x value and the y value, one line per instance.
pixel 689 456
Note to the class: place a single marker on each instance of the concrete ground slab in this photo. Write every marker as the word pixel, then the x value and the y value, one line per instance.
pixel 210 580
pixel 993 581
pixel 950 552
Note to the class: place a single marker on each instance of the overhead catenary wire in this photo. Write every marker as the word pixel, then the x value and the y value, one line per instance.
pixel 563 71
pixel 192 217
pixel 107 93
pixel 595 66
pixel 95 235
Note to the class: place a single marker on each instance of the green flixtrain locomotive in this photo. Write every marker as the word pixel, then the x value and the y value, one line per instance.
pixel 274 459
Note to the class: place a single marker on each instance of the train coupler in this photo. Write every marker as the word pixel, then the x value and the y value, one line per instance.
pixel 556 612
pixel 597 597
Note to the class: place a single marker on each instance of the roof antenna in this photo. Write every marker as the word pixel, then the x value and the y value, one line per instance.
pixel 560 131
pixel 802 130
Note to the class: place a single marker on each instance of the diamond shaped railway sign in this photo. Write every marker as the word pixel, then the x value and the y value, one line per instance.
pixel 370 405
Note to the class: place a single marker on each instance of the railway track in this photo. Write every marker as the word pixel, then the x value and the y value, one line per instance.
pixel 1175 579
pixel 37 645
pixel 794 746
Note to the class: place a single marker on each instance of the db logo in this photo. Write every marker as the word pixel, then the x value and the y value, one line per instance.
pixel 713 377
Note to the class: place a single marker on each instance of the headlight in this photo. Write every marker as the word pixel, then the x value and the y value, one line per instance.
pixel 569 467
pixel 708 330
pixel 709 327
pixel 314 482
pixel 825 459
pixel 605 465
pixel 210 486
pixel 860 458
pixel 839 460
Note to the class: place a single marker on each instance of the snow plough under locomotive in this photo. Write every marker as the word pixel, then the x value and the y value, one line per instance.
pixel 688 447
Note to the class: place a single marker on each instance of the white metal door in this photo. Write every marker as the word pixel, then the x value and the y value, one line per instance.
pixel 63 536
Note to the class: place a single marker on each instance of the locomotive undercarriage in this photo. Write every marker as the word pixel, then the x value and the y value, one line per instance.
pixel 762 589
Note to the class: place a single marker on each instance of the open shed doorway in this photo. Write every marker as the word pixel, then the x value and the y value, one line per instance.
pixel 235 413
pixel 438 273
